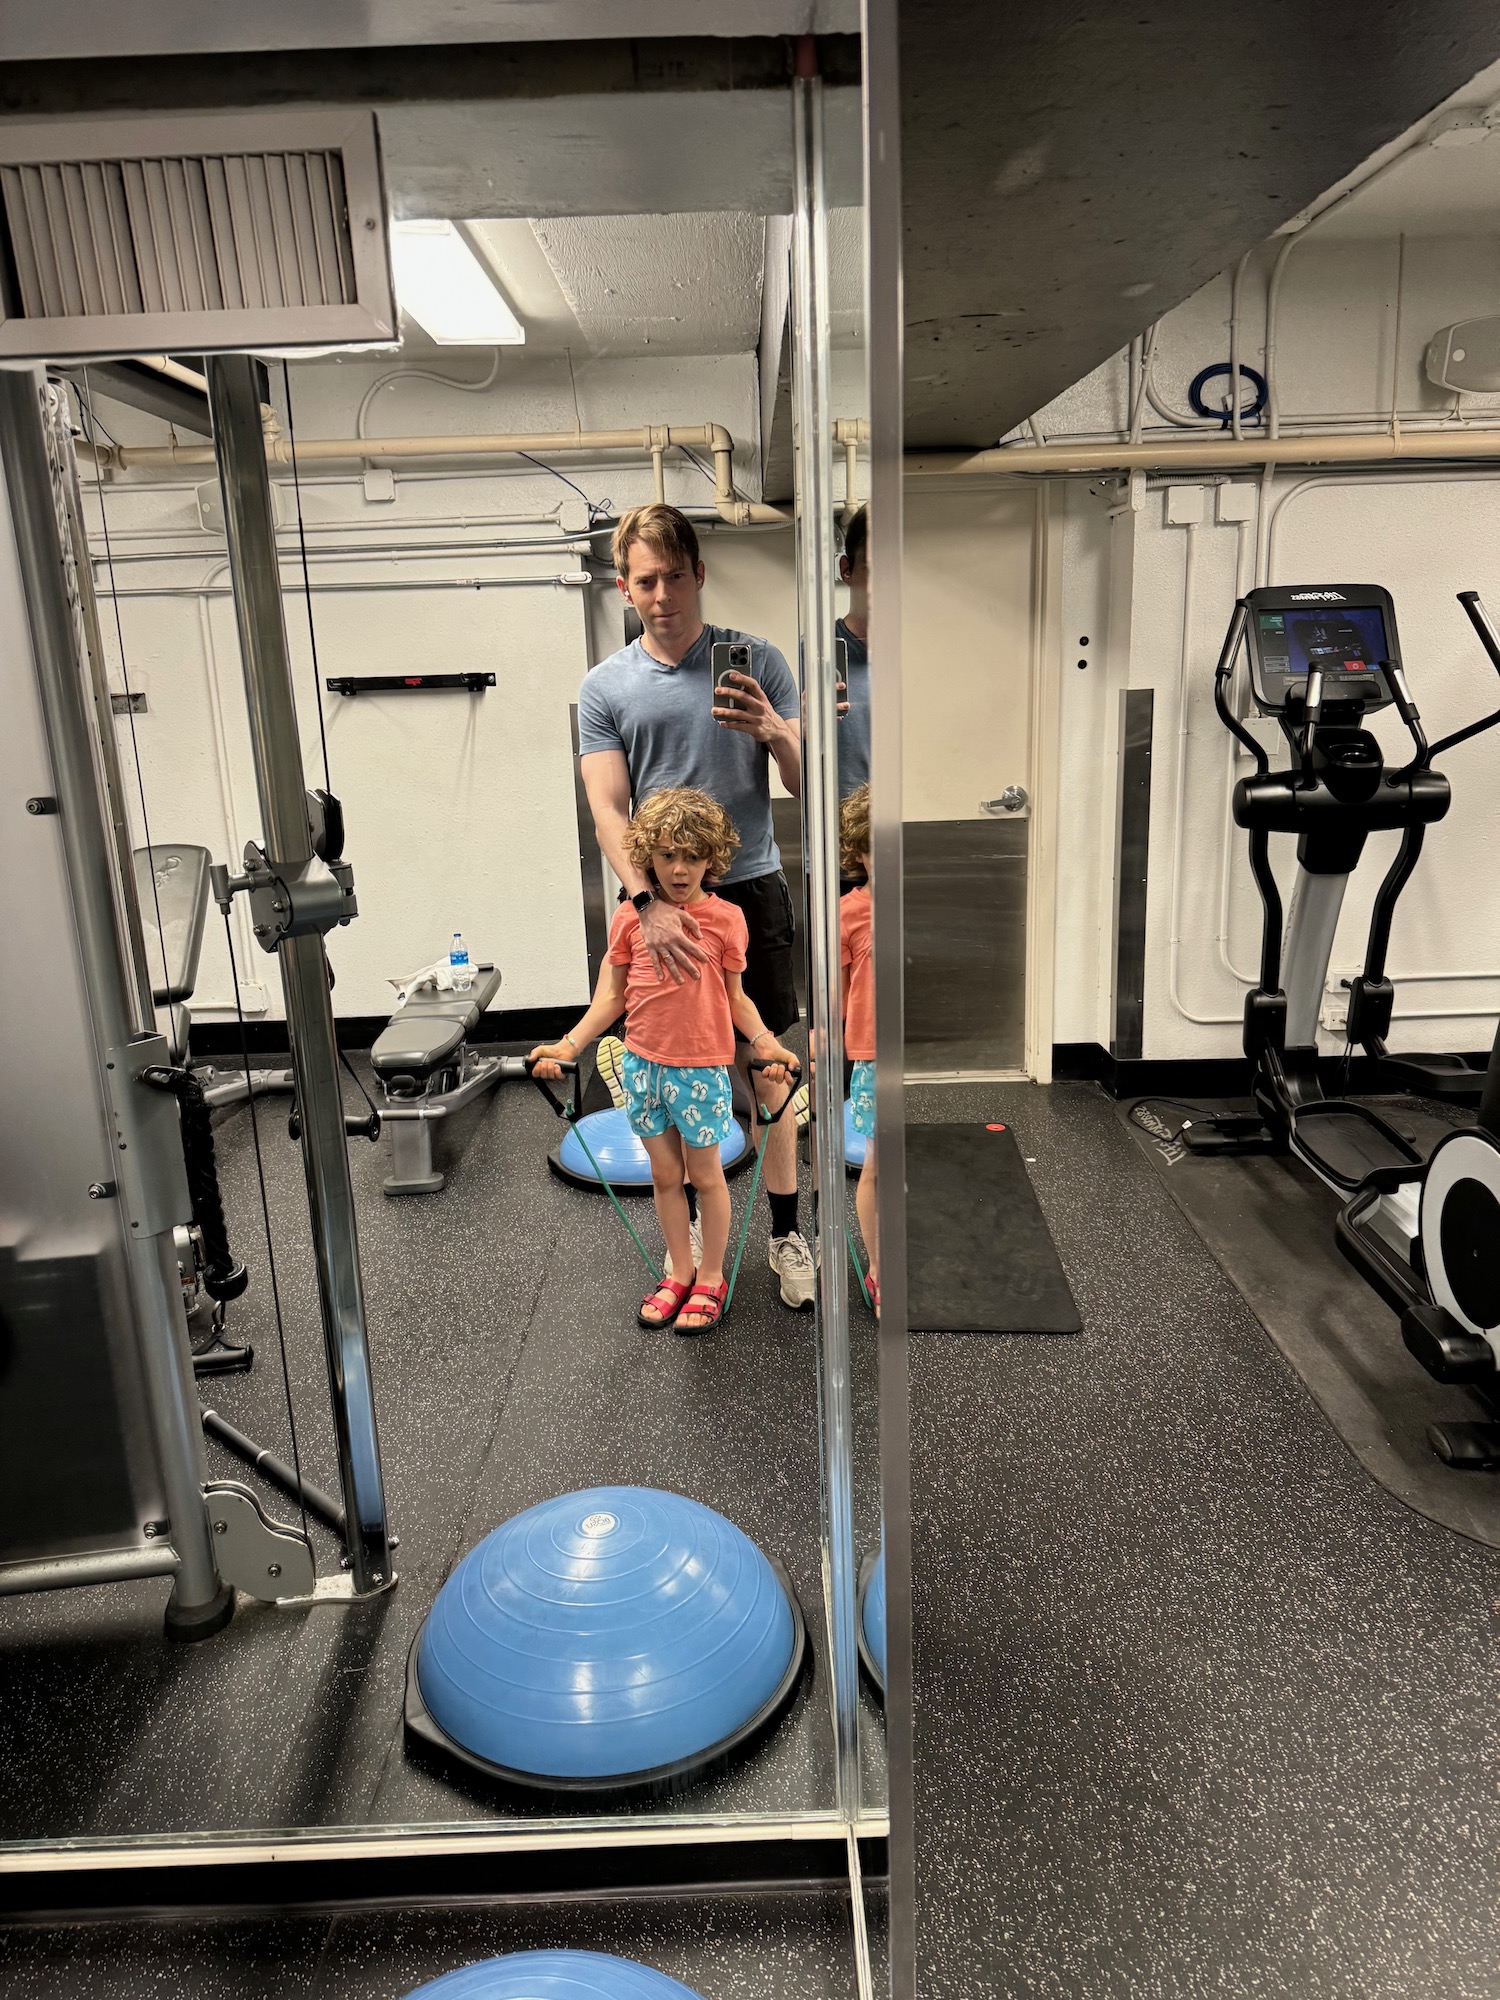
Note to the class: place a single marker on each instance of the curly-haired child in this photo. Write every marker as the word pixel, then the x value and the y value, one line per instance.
pixel 679 1043
pixel 859 1011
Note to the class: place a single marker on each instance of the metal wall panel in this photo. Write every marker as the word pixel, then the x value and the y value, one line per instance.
pixel 965 941
pixel 1132 842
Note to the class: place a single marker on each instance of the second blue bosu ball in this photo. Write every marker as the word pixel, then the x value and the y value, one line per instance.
pixel 555 1975
pixel 609 1639
pixel 872 1619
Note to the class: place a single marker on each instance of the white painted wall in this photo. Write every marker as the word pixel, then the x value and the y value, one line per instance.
pixel 1125 587
pixel 461 809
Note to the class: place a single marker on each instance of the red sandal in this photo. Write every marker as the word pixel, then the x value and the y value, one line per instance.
pixel 675 1294
pixel 705 1299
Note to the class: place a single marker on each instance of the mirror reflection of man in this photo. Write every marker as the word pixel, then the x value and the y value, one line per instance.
pixel 649 717
pixel 854 629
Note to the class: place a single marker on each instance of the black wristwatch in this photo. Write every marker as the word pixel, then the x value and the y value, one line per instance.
pixel 642 901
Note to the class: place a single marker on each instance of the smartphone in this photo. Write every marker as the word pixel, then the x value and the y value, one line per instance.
pixel 730 656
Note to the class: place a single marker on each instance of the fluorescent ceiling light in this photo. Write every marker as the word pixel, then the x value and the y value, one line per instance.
pixel 445 288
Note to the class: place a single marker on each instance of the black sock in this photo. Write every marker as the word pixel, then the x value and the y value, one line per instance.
pixel 692 1201
pixel 783 1213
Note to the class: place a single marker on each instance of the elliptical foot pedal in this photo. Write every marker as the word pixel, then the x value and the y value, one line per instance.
pixel 1237 1132
pixel 1448 1351
pixel 1467 1447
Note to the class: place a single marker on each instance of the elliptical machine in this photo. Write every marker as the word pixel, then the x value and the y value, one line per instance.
pixel 1423 1231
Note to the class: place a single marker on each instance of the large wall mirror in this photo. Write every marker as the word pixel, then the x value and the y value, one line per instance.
pixel 394 1318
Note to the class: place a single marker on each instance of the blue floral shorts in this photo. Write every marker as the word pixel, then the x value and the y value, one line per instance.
pixel 862 1099
pixel 698 1102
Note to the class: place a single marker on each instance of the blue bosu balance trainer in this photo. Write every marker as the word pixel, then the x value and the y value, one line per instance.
pixel 554 1975
pixel 605 1640
pixel 622 1158
pixel 872 1619
pixel 854 1142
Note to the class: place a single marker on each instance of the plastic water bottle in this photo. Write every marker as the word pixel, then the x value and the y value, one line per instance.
pixel 458 961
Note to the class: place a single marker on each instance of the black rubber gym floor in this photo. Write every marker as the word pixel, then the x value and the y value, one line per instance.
pixel 1200 1708
pixel 730 1946
pixel 508 1367
pixel 1269 1223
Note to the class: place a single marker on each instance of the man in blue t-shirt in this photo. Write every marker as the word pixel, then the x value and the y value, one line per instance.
pixel 854 629
pixel 649 717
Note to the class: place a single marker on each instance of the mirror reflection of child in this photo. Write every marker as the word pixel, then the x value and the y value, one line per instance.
pixel 859 1011
pixel 679 1043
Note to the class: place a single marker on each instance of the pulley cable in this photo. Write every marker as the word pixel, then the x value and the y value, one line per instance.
pixel 85 401
pixel 265 1216
pixel 312 636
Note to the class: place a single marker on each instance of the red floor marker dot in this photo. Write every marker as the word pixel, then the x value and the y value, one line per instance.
pixel 994 1128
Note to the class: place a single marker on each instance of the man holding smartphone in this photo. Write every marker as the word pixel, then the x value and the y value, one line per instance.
pixel 665 711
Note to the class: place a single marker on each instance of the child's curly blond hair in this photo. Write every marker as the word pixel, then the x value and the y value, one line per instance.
pixel 854 832
pixel 681 816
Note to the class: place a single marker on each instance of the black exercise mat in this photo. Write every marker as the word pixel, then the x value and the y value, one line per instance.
pixel 980 1258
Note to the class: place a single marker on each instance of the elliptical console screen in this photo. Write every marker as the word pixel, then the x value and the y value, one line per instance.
pixel 1346 632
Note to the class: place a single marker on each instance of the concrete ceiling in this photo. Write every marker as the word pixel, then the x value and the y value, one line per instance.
pixel 1072 172
pixel 663 284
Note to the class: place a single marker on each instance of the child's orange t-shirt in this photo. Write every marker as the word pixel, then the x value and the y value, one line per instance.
pixel 687 1026
pixel 855 944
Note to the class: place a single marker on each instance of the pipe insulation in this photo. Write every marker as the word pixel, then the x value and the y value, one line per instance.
pixel 649 439
pixel 1218 453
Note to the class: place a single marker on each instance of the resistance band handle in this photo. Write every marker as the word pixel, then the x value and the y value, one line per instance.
pixel 572 1111
pixel 794 1077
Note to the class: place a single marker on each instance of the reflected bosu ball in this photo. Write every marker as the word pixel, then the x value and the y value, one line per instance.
pixel 623 1160
pixel 554 1975
pixel 604 1640
pixel 872 1619
pixel 854 1142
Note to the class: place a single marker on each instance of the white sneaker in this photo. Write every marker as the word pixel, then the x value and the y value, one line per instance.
pixel 792 1262
pixel 801 1106
pixel 608 1061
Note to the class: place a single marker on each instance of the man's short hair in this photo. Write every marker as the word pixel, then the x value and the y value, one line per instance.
pixel 856 535
pixel 664 528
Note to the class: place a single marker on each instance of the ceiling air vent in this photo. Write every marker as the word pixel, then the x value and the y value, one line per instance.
pixel 165 234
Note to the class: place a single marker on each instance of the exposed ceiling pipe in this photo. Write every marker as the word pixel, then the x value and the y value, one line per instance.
pixel 851 433
pixel 649 439
pixel 1220 451
pixel 174 371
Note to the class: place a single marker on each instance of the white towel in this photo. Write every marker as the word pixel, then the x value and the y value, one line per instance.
pixel 434 978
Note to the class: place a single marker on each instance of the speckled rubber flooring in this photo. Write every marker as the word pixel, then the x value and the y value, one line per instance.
pixel 1201 1709
pixel 508 1367
pixel 768 1946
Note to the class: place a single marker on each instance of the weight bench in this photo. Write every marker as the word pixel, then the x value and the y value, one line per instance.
pixel 427 1071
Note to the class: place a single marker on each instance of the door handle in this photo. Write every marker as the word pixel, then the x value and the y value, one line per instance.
pixel 1012 800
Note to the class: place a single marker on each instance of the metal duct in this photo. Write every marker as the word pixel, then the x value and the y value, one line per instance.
pixel 196 233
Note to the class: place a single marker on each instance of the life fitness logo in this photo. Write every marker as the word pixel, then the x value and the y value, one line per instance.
pixel 1318 597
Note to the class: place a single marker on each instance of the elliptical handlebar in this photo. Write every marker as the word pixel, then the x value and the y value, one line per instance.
pixel 1489 638
pixel 1229 653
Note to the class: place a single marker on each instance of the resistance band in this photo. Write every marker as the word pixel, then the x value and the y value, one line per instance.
pixel 571 1113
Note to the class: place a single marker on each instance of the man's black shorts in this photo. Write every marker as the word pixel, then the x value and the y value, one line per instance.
pixel 769 978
